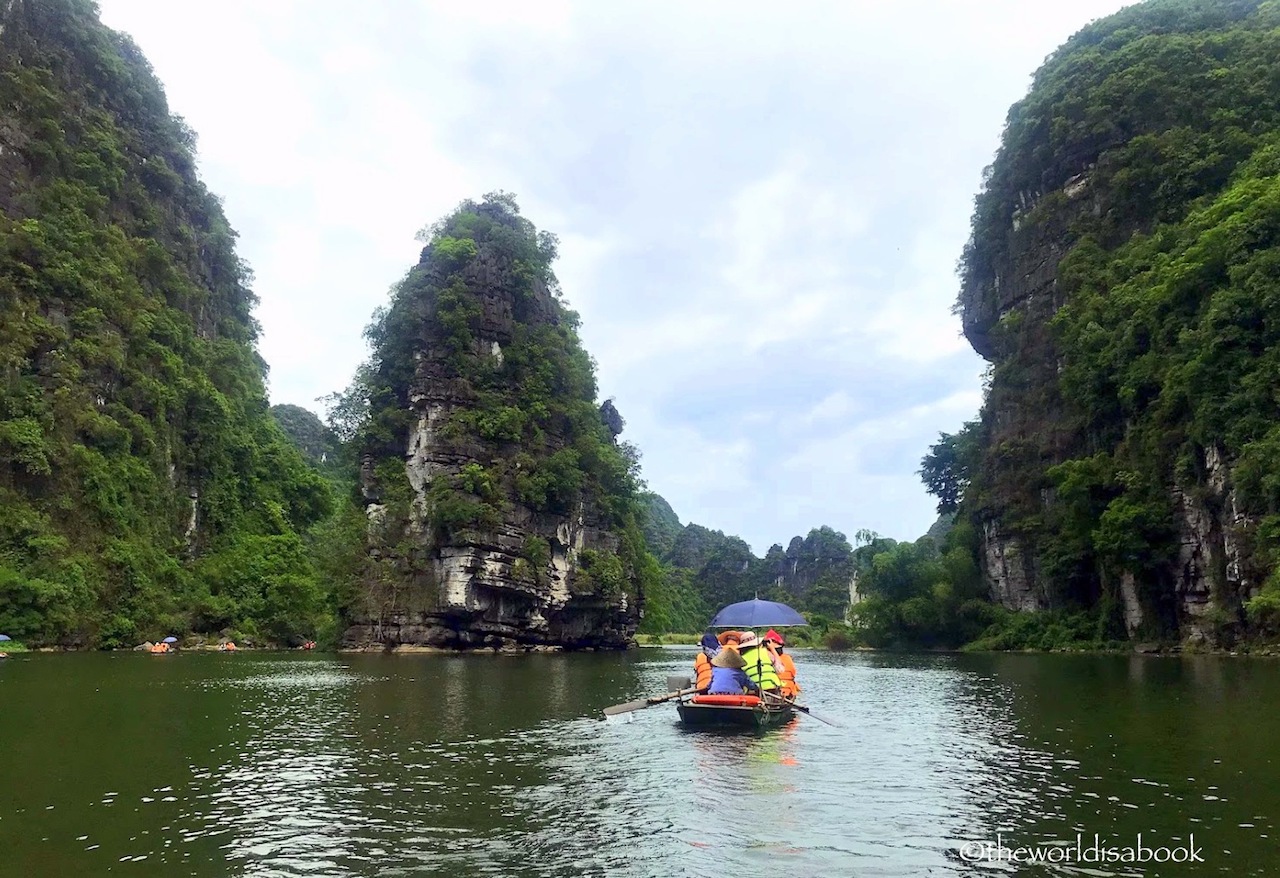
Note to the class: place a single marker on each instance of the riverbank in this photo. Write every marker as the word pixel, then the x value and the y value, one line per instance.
pixel 795 639
pixel 668 639
pixel 1257 650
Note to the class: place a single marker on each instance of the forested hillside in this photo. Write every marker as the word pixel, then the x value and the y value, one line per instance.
pixel 144 487
pixel 1123 279
pixel 705 569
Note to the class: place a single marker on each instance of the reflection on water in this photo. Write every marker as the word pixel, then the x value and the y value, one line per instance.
pixel 265 764
pixel 285 784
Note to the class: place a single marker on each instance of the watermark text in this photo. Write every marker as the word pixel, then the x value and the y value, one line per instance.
pixel 1083 850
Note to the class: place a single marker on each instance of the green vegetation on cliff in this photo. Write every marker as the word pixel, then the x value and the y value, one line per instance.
pixel 144 488
pixel 512 422
pixel 1172 348
pixel 705 569
pixel 309 434
pixel 1132 406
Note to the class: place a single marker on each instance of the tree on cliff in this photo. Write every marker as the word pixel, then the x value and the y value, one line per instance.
pixel 948 467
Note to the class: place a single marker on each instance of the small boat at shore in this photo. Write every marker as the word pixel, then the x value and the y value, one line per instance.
pixel 734 711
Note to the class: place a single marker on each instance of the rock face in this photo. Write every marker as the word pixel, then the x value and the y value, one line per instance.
pixel 473 596
pixel 1004 561
pixel 519 570
pixel 1060 183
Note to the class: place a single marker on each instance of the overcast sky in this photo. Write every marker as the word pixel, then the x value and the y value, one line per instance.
pixel 760 206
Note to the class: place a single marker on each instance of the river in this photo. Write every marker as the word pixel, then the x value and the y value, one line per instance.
pixel 260 764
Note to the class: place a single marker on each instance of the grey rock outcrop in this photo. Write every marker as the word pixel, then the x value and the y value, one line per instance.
pixel 516 583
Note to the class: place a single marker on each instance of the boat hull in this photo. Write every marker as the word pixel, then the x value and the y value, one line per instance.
pixel 722 716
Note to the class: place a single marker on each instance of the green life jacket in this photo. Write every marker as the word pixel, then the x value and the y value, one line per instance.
pixel 760 668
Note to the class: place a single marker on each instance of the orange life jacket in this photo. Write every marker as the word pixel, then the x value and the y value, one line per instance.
pixel 702 667
pixel 787 675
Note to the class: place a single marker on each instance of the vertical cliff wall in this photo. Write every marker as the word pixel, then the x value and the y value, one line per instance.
pixel 140 473
pixel 502 512
pixel 1120 281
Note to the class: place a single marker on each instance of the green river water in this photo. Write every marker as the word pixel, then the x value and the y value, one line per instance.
pixel 261 764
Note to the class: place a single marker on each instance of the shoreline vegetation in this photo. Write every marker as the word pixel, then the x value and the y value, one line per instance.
pixel 1168 650
pixel 650 641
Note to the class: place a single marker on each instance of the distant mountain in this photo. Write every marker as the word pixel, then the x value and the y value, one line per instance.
pixel 307 432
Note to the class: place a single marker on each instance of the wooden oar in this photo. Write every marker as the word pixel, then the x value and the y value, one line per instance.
pixel 646 702
pixel 803 709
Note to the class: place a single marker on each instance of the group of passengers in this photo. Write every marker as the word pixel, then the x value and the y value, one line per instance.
pixel 739 662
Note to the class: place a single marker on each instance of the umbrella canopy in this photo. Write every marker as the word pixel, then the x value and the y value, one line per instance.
pixel 757 614
pixel 5 637
pixel 171 639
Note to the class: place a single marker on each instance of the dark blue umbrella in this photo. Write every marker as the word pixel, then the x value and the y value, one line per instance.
pixel 5 637
pixel 757 614
pixel 171 639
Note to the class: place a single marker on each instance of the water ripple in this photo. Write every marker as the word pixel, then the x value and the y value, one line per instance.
pixel 273 766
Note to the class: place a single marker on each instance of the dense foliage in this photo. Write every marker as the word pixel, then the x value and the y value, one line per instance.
pixel 1158 102
pixel 310 435
pixel 144 488
pixel 521 417
pixel 1147 155
pixel 1173 345
pixel 706 569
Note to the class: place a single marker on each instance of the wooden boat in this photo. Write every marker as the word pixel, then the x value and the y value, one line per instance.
pixel 733 711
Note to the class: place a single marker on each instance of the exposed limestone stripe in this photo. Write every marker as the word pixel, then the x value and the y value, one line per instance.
pixel 1132 606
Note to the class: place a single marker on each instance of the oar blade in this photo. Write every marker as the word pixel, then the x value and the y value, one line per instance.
pixel 626 708
pixel 646 702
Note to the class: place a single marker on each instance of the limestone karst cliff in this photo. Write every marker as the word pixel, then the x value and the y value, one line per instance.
pixel 144 488
pixel 502 512
pixel 1121 280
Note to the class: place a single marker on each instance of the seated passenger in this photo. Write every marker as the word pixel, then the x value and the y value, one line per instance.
pixel 727 677
pixel 758 662
pixel 783 663
pixel 728 638
pixel 702 672
pixel 702 661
